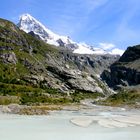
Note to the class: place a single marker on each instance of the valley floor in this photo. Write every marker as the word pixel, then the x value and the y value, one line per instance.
pixel 73 123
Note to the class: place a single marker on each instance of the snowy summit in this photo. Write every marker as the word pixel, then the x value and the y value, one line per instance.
pixel 29 24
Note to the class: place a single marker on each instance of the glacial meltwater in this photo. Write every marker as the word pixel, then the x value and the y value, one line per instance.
pixel 72 125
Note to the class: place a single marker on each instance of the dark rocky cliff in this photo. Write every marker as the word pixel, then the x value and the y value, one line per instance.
pixel 126 71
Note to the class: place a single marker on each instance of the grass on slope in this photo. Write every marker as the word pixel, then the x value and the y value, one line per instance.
pixel 124 97
pixel 28 95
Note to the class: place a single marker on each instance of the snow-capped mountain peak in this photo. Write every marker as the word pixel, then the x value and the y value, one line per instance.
pixel 29 24
pixel 87 49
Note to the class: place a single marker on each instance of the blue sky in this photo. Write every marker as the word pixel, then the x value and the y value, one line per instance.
pixel 91 21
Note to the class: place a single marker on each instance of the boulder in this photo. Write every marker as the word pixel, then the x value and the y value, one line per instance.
pixel 9 57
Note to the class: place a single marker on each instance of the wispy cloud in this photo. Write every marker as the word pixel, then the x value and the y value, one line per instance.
pixel 74 18
pixel 111 48
pixel 91 5
pixel 126 30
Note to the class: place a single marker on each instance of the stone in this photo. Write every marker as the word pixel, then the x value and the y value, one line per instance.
pixel 9 57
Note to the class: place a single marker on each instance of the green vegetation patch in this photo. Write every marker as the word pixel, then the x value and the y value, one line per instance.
pixel 124 97
pixel 17 90
pixel 77 96
pixel 6 100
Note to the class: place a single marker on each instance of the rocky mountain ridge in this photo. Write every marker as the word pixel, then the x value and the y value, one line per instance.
pixel 25 60
pixel 30 25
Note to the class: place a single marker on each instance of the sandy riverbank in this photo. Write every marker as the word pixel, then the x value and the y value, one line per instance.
pixel 114 121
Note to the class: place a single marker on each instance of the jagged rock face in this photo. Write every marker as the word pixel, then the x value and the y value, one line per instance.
pixel 34 62
pixel 89 63
pixel 126 71
pixel 34 35
pixel 131 54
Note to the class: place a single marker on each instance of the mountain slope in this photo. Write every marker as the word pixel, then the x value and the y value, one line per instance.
pixel 25 60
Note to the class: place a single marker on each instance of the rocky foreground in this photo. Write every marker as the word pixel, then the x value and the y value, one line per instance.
pixel 28 110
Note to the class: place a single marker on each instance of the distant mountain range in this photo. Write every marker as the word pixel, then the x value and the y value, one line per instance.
pixel 30 25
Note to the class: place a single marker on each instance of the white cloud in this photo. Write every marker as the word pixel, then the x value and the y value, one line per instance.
pixel 106 46
pixel 117 51
pixel 111 49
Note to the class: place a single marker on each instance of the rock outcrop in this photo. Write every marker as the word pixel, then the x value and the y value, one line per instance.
pixel 126 71
pixel 9 57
